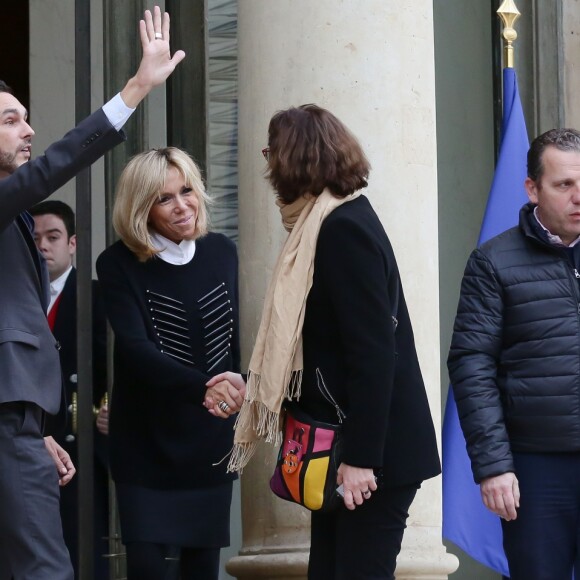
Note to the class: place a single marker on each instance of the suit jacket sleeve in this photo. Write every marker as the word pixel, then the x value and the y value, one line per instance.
pixel 473 360
pixel 36 180
pixel 351 265
pixel 138 352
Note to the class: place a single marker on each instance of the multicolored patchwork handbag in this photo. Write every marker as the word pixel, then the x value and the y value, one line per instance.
pixel 309 458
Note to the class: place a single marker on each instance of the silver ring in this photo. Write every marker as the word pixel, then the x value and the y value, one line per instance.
pixel 158 35
pixel 223 406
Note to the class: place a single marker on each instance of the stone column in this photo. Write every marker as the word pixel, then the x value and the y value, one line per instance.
pixel 568 45
pixel 372 64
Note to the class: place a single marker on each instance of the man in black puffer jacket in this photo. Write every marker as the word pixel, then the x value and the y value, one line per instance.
pixel 514 365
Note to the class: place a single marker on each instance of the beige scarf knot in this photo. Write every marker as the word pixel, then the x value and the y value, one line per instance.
pixel 275 370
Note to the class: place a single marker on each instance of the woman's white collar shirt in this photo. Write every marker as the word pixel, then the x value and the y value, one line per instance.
pixel 176 254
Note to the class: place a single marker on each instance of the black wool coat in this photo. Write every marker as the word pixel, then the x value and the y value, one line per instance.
pixel 371 370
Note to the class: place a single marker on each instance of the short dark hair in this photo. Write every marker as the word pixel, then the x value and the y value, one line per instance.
pixel 561 139
pixel 4 88
pixel 310 150
pixel 59 209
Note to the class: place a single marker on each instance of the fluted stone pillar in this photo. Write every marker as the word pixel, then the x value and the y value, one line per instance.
pixel 372 64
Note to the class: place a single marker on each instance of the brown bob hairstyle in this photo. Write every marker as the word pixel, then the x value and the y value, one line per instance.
pixel 311 150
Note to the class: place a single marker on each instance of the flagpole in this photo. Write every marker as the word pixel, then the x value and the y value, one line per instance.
pixel 509 13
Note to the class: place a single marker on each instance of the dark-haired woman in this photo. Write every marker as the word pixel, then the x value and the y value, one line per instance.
pixel 328 318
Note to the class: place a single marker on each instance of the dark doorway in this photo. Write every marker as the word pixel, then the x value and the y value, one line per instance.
pixel 14 49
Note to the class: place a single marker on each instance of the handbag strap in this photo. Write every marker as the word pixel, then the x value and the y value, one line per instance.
pixel 326 394
pixel 395 310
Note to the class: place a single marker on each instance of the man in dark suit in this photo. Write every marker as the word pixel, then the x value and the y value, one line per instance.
pixel 31 541
pixel 55 238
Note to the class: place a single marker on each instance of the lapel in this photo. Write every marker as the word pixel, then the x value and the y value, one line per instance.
pixel 38 263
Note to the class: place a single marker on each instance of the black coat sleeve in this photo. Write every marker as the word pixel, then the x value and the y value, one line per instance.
pixel 135 351
pixel 473 363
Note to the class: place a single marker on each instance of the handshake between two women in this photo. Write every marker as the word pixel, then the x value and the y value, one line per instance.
pixel 225 394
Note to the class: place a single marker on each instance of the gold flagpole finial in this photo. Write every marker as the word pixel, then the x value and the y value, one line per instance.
pixel 509 13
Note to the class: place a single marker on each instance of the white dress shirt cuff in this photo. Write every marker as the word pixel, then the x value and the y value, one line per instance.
pixel 117 111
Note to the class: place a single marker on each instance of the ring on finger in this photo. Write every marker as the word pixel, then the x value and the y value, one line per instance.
pixel 223 406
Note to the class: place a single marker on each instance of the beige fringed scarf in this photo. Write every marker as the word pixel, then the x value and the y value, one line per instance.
pixel 275 371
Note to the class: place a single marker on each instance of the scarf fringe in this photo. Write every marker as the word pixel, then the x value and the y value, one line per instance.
pixel 259 419
pixel 294 388
pixel 240 456
pixel 264 423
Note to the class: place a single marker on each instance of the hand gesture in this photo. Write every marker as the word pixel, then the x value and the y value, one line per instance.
pixel 501 495
pixel 103 419
pixel 61 458
pixel 358 483
pixel 156 64
pixel 225 394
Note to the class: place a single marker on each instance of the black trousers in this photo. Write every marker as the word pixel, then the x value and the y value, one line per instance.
pixel 148 561
pixel 31 540
pixel 362 544
pixel 543 542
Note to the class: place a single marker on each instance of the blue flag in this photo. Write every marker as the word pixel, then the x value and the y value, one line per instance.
pixel 466 521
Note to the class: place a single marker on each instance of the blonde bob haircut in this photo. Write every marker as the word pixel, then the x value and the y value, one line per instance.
pixel 140 185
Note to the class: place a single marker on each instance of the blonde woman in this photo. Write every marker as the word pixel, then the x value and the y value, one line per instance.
pixel 171 294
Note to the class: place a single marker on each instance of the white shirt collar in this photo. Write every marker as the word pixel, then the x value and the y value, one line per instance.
pixel 176 254
pixel 554 239
pixel 56 287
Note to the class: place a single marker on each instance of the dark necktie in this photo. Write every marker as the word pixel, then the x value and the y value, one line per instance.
pixel 29 221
